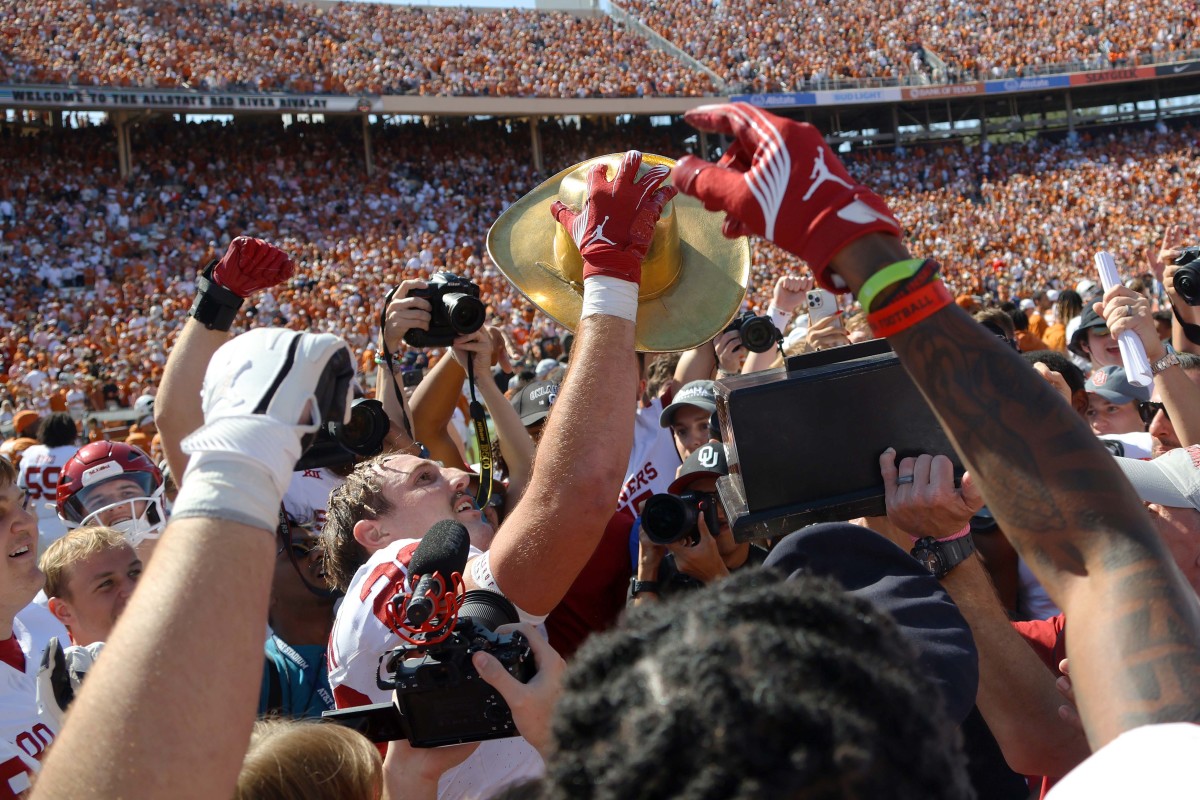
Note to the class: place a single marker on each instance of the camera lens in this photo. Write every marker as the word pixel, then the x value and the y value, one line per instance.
pixel 758 334
pixel 487 609
pixel 363 435
pixel 1187 283
pixel 466 313
pixel 667 519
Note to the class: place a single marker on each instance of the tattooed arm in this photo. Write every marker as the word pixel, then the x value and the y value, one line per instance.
pixel 1135 622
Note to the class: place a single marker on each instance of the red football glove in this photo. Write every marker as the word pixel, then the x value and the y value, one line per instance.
pixel 251 265
pixel 614 229
pixel 781 181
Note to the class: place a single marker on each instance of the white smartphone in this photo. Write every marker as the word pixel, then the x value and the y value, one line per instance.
pixel 822 303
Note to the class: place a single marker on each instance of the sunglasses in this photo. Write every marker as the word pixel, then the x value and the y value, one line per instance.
pixel 1148 410
pixel 301 551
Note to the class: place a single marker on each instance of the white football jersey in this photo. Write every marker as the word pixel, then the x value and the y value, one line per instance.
pixel 307 497
pixel 360 636
pixel 652 462
pixel 40 468
pixel 21 726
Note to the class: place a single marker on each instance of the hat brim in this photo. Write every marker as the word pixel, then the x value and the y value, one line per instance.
pixel 668 413
pixel 684 481
pixel 1152 483
pixel 707 295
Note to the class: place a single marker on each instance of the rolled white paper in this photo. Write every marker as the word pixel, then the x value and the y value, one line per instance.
pixel 1133 354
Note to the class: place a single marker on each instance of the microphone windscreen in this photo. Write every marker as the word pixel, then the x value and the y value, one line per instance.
pixel 444 550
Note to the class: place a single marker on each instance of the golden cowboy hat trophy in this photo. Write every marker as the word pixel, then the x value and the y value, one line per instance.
pixel 693 278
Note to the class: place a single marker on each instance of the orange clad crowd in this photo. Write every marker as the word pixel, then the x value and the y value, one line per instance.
pixel 99 271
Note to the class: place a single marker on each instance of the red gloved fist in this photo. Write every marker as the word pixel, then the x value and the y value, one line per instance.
pixel 781 181
pixel 614 229
pixel 251 265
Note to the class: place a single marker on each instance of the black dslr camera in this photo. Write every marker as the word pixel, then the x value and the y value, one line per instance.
pixel 439 697
pixel 338 443
pixel 759 334
pixel 1187 277
pixel 457 309
pixel 668 518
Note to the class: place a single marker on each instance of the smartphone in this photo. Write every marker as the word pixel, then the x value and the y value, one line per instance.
pixel 822 303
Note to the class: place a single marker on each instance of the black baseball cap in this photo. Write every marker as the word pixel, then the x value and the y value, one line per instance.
pixel 706 461
pixel 533 402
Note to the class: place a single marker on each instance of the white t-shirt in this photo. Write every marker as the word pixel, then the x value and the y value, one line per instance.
pixel 1150 761
pixel 21 726
pixel 360 637
pixel 1137 445
pixel 653 460
pixel 40 468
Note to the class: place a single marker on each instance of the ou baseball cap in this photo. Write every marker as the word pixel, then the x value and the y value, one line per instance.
pixel 1172 479
pixel 701 394
pixel 533 402
pixel 1113 385
pixel 706 461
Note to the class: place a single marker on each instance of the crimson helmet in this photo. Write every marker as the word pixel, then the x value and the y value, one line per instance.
pixel 104 483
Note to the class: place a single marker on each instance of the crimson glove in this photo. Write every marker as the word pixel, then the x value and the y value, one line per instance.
pixel 614 229
pixel 781 181
pixel 251 265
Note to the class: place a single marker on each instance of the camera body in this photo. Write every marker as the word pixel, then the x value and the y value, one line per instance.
pixel 439 697
pixel 338 443
pixel 456 309
pixel 669 518
pixel 758 334
pixel 1187 277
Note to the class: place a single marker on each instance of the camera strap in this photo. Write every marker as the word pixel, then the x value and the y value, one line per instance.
pixel 1192 332
pixel 391 363
pixel 482 440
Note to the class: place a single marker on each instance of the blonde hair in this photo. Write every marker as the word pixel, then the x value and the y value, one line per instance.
pixel 77 545
pixel 8 473
pixel 292 759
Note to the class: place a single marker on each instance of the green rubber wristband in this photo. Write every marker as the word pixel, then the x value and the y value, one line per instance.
pixel 891 274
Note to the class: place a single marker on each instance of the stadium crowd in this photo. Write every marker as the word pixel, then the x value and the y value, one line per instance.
pixel 916 653
pixel 765 47
pixel 100 272
pixel 755 46
pixel 339 48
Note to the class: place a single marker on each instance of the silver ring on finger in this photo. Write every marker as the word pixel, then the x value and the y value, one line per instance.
pixel 904 479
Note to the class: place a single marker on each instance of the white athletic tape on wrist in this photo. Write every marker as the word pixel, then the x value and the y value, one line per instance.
pixel 780 317
pixel 229 487
pixel 481 573
pixel 604 294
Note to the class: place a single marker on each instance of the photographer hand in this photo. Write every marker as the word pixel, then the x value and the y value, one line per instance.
pixel 412 773
pixel 729 351
pixel 404 313
pixel 480 346
pixel 532 704
pixel 1126 310
pixel 615 226
pixel 781 180
pixel 826 333
pixel 1158 259
pixel 791 292
pixel 251 265
pixel 929 505
pixel 702 560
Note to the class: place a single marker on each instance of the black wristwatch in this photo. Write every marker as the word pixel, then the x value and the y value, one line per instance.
pixel 637 587
pixel 939 557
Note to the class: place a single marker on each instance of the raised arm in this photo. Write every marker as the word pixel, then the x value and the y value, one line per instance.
pixel 551 534
pixel 248 266
pixel 167 710
pixel 1049 482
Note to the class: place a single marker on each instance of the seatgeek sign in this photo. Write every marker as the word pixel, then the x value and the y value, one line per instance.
pixel 71 97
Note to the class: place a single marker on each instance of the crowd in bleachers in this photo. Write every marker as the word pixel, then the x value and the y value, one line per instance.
pixel 99 271
pixel 757 45
pixel 363 48
pixel 344 48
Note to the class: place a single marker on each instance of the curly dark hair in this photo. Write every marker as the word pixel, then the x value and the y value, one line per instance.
pixel 755 687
